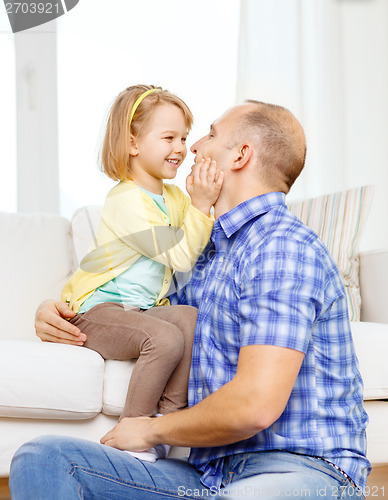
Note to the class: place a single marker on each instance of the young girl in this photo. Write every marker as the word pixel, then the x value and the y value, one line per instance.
pixel 147 231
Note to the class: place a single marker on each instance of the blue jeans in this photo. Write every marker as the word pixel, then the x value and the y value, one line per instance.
pixel 61 468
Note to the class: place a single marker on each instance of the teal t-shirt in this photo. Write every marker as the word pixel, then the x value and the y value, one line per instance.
pixel 138 286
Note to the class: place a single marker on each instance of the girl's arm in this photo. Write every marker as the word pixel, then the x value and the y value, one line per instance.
pixel 135 225
pixel 204 185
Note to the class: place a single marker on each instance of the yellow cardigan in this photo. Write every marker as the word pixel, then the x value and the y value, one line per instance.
pixel 132 225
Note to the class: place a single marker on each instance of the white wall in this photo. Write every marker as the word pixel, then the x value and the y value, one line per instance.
pixel 327 61
pixel 365 58
pixel 189 48
pixel 28 119
pixel 8 179
pixel 37 119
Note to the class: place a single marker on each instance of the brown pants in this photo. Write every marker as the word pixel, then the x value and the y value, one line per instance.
pixel 160 338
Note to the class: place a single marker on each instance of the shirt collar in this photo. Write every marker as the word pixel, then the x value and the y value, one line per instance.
pixel 232 221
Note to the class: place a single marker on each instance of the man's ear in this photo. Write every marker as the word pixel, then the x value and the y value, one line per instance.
pixel 243 156
pixel 133 149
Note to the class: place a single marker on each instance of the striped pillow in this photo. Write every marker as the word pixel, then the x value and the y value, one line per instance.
pixel 338 219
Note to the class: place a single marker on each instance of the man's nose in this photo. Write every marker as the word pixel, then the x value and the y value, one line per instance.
pixel 195 146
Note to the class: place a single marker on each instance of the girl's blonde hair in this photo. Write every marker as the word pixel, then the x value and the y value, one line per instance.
pixel 114 157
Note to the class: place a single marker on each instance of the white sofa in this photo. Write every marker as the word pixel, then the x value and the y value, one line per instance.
pixel 59 389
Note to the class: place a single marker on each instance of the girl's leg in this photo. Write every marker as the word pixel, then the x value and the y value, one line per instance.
pixel 122 334
pixel 174 396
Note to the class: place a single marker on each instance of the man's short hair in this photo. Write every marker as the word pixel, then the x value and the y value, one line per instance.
pixel 280 143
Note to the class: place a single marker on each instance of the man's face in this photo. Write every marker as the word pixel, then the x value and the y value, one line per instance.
pixel 218 144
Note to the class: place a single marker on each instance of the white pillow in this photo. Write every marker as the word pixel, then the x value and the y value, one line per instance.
pixel 36 256
pixel 338 219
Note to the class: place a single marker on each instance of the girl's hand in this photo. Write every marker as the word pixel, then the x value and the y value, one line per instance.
pixel 51 325
pixel 204 185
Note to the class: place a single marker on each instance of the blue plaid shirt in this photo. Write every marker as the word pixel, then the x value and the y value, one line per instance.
pixel 266 278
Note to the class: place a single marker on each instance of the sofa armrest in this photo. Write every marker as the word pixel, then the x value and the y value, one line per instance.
pixel 374 286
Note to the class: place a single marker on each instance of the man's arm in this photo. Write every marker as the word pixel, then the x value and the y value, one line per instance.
pixel 51 324
pixel 249 403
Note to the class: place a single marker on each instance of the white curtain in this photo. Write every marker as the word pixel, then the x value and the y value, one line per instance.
pixel 327 61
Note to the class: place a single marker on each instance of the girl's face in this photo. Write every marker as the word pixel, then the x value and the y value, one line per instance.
pixel 160 148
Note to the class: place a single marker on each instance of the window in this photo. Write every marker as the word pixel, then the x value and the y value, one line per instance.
pixel 189 48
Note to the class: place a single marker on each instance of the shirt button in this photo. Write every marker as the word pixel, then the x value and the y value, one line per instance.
pixel 221 259
pixel 166 281
pixel 200 390
pixel 206 301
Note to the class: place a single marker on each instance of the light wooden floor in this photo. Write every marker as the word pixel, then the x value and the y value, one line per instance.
pixel 377 482
pixel 4 491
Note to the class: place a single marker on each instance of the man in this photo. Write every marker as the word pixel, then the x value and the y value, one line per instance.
pixel 275 393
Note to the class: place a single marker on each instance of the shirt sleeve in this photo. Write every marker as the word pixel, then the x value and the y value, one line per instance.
pixel 282 294
pixel 139 224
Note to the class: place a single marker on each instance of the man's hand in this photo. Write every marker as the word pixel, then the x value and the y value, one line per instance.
pixel 51 325
pixel 204 185
pixel 133 434
pixel 252 401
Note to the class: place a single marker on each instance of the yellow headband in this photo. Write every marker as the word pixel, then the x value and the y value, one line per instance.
pixel 138 101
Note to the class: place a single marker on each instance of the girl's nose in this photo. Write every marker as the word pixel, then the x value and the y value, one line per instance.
pixel 179 146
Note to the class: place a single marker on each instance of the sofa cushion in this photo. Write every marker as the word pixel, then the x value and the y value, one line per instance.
pixel 84 225
pixel 377 435
pixel 371 343
pixel 45 380
pixel 36 253
pixel 366 336
pixel 116 379
pixel 338 219
pixel 373 284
